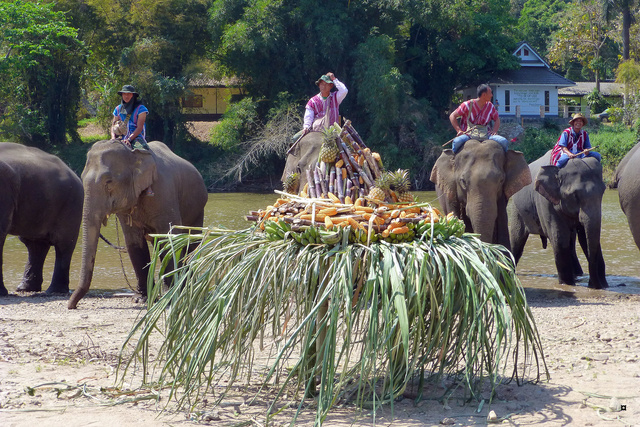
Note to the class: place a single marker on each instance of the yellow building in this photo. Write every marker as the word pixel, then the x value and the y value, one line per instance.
pixel 207 98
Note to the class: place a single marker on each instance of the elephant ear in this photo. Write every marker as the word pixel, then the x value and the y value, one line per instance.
pixel 144 170
pixel 547 183
pixel 517 173
pixel 442 174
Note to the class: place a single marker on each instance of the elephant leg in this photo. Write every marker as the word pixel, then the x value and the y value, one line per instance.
pixel 138 250
pixel 32 278
pixel 518 237
pixel 3 290
pixel 597 276
pixel 60 279
pixel 582 239
pixel 564 262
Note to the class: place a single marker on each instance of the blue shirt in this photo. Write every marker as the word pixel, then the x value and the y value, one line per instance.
pixel 133 123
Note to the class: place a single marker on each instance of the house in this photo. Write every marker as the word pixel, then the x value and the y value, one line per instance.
pixel 576 95
pixel 531 90
pixel 207 98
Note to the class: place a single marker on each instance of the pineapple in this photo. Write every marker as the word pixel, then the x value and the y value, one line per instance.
pixel 291 183
pixel 401 184
pixel 380 187
pixel 329 150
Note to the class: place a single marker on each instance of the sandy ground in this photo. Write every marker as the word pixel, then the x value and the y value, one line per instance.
pixel 58 368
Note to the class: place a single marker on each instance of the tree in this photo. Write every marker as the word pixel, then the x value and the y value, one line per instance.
pixel 40 69
pixel 583 35
pixel 538 21
pixel 629 73
pixel 624 8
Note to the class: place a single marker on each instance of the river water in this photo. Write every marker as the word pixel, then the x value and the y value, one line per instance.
pixel 536 268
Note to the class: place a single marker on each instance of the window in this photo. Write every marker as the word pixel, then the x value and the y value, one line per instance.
pixel 546 101
pixel 507 100
pixel 192 101
pixel 526 52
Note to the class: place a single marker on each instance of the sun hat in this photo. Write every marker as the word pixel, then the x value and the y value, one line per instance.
pixel 128 89
pixel 324 78
pixel 579 116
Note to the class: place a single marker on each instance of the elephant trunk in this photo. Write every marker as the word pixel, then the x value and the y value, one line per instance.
pixel 592 225
pixel 91 222
pixel 483 213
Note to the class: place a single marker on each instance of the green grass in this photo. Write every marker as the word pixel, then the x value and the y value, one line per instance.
pixel 390 314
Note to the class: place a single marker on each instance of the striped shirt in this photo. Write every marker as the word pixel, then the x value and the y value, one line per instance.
pixel 478 116
pixel 574 143
pixel 317 105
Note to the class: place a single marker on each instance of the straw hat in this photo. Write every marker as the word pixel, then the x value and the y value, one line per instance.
pixel 576 116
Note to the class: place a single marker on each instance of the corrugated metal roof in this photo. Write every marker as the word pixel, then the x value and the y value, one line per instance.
pixel 531 76
pixel 584 88
pixel 204 81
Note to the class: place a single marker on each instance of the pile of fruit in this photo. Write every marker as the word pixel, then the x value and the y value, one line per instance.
pixel 347 168
pixel 328 221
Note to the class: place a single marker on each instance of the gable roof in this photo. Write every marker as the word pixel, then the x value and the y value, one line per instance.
pixel 531 76
pixel 528 56
pixel 584 88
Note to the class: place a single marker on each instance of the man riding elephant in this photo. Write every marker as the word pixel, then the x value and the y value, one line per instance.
pixel 475 118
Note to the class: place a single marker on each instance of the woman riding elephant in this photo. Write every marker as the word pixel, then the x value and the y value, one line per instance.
pixel 562 203
pixel 476 184
pixel 115 178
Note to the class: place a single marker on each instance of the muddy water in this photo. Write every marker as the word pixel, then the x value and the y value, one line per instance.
pixel 536 268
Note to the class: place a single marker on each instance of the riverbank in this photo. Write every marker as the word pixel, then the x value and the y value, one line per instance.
pixel 58 368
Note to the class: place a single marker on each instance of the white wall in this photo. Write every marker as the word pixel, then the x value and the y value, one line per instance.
pixel 530 98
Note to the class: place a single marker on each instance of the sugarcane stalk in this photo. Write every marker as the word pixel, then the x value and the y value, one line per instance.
pixel 311 188
pixel 347 163
pixel 323 184
pixel 354 133
pixel 357 167
pixel 339 184
pixel 332 178
pixel 373 164
pixel 316 180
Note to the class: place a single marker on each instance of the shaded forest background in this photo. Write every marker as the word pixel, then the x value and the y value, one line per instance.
pixel 63 62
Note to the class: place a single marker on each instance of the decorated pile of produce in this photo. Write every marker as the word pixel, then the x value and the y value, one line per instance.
pixel 347 168
pixel 328 221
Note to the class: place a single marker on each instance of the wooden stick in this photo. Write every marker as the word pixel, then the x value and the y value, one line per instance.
pixel 295 143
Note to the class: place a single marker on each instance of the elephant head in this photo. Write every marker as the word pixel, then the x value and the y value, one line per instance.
pixel 476 184
pixel 573 196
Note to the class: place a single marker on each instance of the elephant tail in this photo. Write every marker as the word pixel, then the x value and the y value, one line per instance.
pixel 543 239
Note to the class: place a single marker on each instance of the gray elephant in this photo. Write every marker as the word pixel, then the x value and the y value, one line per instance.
pixel 476 184
pixel 306 152
pixel 115 180
pixel 40 201
pixel 627 179
pixel 562 203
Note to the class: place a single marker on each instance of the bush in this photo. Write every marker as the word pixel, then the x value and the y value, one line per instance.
pixel 536 142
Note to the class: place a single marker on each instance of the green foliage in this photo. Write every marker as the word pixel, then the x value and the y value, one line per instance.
pixel 613 143
pixel 367 320
pixel 536 142
pixel 538 20
pixel 596 101
pixel 239 119
pixel 39 74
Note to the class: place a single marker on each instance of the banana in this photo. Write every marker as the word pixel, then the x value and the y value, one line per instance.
pixel 331 238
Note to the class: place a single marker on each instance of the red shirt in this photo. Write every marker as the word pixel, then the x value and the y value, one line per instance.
pixel 478 116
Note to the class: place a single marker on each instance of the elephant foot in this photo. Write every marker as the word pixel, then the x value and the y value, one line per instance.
pixel 29 287
pixel 3 291
pixel 597 285
pixel 140 299
pixel 57 290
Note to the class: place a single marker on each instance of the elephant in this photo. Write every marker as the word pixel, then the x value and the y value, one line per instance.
pixel 627 180
pixel 41 202
pixel 306 152
pixel 560 204
pixel 476 184
pixel 115 180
